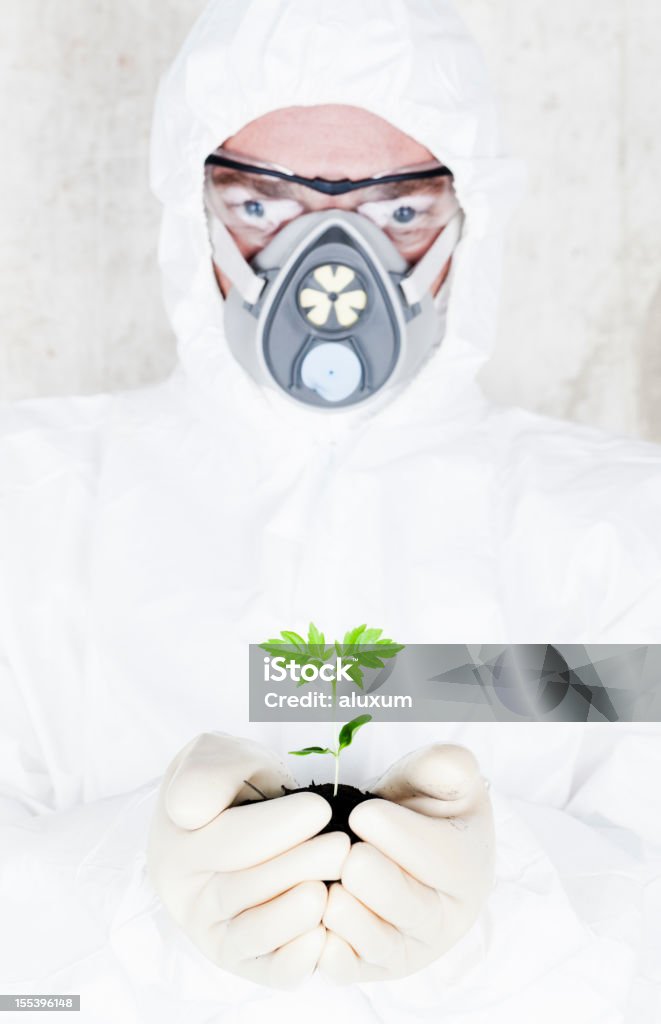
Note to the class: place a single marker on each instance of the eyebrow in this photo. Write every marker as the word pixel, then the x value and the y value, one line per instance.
pixel 396 189
pixel 274 188
pixel 330 187
pixel 277 188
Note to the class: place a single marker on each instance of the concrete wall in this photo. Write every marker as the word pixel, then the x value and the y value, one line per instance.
pixel 580 333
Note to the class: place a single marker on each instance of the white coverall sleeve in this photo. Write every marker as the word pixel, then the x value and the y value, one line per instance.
pixel 25 785
pixel 64 873
pixel 73 880
pixel 78 912
pixel 64 877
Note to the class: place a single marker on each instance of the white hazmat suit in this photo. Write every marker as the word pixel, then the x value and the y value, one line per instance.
pixel 147 538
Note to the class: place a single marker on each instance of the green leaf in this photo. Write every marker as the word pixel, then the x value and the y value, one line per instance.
pixel 314 635
pixel 369 660
pixel 351 637
pixel 284 651
pixel 388 649
pixel 294 638
pixel 347 731
pixel 369 636
pixel 275 649
pixel 316 640
pixel 311 750
pixel 355 672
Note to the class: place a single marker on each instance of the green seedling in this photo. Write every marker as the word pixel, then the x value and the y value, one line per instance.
pixel 363 647
pixel 344 740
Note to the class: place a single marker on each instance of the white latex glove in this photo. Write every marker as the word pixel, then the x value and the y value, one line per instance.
pixel 243 882
pixel 420 878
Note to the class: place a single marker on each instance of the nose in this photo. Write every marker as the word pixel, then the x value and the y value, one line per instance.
pixel 319 202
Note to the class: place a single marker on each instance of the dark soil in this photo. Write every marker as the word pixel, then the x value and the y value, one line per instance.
pixel 343 804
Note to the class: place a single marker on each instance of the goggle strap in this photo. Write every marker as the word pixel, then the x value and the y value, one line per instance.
pixel 330 188
pixel 427 269
pixel 227 256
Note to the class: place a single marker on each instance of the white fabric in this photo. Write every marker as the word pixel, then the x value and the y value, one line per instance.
pixel 147 537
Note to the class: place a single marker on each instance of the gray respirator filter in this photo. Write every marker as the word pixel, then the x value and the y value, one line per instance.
pixel 328 311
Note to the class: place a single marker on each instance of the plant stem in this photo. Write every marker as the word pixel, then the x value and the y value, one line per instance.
pixel 336 739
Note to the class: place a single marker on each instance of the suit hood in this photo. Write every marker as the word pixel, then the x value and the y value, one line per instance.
pixel 411 62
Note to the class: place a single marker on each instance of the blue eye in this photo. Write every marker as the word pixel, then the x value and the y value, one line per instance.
pixel 253 208
pixel 404 214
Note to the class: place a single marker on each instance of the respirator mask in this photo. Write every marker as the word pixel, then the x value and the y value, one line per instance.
pixel 336 303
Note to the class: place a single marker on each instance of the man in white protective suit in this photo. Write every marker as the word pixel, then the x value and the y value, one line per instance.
pixel 334 195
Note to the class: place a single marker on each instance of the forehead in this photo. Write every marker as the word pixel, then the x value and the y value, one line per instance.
pixel 331 141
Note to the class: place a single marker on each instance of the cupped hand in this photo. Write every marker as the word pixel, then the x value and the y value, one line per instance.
pixel 419 879
pixel 246 883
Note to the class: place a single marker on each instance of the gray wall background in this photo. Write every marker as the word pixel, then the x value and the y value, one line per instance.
pixel 580 329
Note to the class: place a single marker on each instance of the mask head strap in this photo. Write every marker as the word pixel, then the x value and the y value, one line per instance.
pixel 228 257
pixel 419 280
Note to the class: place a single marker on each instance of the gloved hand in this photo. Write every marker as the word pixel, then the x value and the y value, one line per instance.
pixel 420 878
pixel 245 883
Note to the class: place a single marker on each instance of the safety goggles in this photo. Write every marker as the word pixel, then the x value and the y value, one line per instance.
pixel 254 200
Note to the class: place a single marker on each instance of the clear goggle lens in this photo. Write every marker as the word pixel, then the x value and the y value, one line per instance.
pixel 254 206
